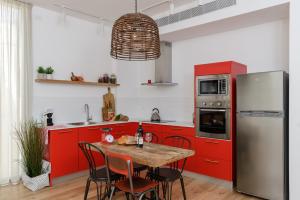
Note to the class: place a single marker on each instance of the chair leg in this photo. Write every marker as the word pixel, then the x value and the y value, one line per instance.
pixel 182 188
pixel 141 197
pixel 98 195
pixel 87 188
pixel 127 196
pixel 112 192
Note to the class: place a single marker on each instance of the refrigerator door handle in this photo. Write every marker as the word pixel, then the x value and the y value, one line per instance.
pixel 261 114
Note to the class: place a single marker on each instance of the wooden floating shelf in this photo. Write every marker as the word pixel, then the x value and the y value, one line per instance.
pixel 75 82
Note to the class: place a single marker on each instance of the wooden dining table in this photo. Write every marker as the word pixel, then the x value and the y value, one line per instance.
pixel 151 155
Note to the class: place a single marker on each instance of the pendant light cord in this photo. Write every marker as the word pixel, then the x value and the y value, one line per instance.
pixel 135 6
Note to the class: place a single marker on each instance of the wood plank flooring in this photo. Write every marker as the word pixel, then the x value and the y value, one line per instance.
pixel 197 189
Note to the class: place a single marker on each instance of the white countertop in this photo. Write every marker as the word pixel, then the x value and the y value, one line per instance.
pixel 65 126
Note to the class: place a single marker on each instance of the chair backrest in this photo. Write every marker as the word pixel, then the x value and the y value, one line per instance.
pixel 120 164
pixel 180 142
pixel 87 150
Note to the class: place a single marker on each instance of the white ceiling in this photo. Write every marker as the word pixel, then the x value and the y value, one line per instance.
pixel 107 9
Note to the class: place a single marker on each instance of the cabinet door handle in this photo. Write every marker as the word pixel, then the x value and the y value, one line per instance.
pixel 65 131
pixel 96 128
pixel 212 142
pixel 177 129
pixel 212 161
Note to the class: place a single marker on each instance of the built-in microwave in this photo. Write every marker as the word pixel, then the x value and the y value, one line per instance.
pixel 212 85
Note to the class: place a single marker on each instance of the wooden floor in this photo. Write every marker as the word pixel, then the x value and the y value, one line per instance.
pixel 197 189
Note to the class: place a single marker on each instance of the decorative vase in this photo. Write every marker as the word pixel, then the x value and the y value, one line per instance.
pixel 38 182
pixel 49 76
pixel 41 76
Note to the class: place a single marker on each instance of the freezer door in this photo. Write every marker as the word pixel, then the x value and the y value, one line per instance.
pixel 260 156
pixel 260 91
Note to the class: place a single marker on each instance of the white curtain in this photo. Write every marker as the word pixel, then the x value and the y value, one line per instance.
pixel 15 82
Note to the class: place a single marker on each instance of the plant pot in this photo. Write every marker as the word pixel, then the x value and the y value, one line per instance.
pixel 41 76
pixel 49 76
pixel 38 182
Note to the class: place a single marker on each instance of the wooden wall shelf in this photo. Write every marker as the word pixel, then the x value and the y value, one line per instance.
pixel 52 81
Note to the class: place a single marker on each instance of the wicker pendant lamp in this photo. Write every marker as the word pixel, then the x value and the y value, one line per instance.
pixel 135 36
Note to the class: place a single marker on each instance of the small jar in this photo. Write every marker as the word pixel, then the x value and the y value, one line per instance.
pixel 100 80
pixel 113 79
pixel 105 78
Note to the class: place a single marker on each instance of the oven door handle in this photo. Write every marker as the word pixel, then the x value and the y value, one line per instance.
pixel 218 110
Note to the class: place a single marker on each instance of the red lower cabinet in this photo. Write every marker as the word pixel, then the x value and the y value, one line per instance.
pixel 89 134
pixel 63 152
pixel 214 158
pixel 215 167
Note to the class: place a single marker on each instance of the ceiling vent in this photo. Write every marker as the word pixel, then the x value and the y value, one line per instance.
pixel 195 11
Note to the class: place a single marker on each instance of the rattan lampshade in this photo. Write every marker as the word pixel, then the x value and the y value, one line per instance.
pixel 135 36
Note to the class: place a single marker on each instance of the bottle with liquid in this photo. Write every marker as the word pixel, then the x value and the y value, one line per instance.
pixel 139 136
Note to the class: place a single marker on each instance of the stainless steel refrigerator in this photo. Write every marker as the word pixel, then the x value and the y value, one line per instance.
pixel 262 135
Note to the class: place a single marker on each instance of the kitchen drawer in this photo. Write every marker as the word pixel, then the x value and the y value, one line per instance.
pixel 214 167
pixel 151 127
pixel 179 130
pixel 218 149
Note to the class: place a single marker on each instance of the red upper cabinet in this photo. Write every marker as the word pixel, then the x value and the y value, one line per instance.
pixel 89 134
pixel 63 151
pixel 226 67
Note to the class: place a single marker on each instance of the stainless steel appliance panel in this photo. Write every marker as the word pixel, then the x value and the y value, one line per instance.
pixel 210 132
pixel 260 91
pixel 260 155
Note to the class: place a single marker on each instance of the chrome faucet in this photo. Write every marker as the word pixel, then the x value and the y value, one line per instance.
pixel 87 110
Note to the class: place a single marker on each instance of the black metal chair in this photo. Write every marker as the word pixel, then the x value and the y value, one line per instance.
pixel 96 175
pixel 168 175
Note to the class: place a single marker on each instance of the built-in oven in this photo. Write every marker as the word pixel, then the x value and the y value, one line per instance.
pixel 213 123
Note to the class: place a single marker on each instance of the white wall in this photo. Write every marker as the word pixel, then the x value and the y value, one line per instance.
pixel 294 100
pixel 263 48
pixel 70 45
pixel 77 46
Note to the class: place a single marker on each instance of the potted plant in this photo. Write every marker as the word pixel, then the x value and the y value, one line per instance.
pixel 41 72
pixel 31 143
pixel 49 72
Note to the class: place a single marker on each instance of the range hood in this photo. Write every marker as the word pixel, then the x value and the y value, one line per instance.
pixel 163 67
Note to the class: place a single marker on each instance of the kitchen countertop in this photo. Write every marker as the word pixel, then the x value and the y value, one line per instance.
pixel 66 126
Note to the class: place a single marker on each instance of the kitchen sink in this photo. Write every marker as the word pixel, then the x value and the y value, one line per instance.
pixel 81 123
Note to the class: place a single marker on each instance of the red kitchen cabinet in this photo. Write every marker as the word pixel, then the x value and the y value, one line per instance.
pixel 214 158
pixel 180 130
pixel 63 152
pixel 221 149
pixel 89 134
pixel 214 167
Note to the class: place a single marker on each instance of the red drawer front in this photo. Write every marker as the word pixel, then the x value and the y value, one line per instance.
pixel 215 167
pixel 218 149
pixel 124 129
pixel 151 127
pixel 179 130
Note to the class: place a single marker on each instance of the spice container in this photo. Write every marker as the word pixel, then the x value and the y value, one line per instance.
pixel 105 78
pixel 100 80
pixel 113 79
